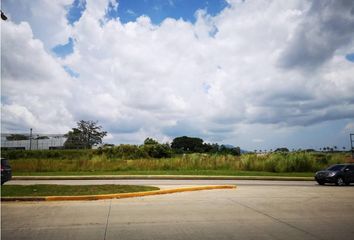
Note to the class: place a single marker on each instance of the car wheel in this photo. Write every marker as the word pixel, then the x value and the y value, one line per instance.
pixel 339 181
pixel 321 183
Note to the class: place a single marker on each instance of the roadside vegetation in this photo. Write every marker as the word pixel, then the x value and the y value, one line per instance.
pixel 69 190
pixel 183 156
pixel 115 161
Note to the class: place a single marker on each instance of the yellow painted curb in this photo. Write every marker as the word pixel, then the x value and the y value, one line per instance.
pixel 136 194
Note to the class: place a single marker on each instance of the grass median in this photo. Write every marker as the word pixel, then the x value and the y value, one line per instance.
pixel 40 190
pixel 162 173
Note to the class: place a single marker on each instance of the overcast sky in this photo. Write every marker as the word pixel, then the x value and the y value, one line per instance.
pixel 254 74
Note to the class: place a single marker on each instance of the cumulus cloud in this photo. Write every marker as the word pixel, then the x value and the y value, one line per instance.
pixel 35 88
pixel 246 67
pixel 325 27
pixel 47 18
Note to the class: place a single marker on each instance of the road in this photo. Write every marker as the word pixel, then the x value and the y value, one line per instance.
pixel 255 210
pixel 167 183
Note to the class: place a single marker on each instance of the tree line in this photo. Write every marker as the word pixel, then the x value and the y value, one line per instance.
pixel 89 133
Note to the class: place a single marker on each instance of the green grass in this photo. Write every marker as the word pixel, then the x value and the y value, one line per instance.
pixel 184 172
pixel 68 190
pixel 188 164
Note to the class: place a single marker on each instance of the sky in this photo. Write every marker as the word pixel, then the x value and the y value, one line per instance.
pixel 254 74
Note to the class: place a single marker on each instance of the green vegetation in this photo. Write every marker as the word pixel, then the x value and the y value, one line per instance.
pixel 169 172
pixel 69 190
pixel 117 160
pixel 17 137
pixel 196 145
pixel 85 135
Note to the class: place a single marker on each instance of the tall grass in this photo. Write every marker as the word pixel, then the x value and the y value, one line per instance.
pixel 90 161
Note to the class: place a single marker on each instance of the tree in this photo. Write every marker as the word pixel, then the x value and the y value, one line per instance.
pixel 282 149
pixel 150 141
pixel 41 137
pixel 187 144
pixel 87 134
pixel 230 150
pixel 16 137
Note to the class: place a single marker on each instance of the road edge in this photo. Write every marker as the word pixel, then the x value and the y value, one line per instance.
pixel 117 195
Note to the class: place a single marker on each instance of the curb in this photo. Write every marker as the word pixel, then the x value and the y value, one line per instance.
pixel 117 195
pixel 162 177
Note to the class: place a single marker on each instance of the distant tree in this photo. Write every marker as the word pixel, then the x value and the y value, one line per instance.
pixel 309 150
pixel 187 144
pixel 343 148
pixel 283 149
pixel 41 137
pixel 87 134
pixel 17 137
pixel 150 141
pixel 108 145
pixel 157 150
pixel 229 150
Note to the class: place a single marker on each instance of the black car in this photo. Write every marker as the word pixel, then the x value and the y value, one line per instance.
pixel 6 172
pixel 339 174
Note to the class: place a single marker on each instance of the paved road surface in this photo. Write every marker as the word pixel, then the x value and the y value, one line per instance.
pixel 252 211
pixel 167 183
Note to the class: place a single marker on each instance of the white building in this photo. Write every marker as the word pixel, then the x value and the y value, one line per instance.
pixel 37 142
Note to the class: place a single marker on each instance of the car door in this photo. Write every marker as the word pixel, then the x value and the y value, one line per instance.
pixel 351 173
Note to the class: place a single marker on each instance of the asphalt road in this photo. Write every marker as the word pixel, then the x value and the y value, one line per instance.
pixel 268 210
pixel 167 183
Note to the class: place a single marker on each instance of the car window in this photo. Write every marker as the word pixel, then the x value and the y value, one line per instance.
pixel 335 167
pixel 4 162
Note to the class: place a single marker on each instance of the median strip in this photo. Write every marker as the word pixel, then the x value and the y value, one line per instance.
pixel 118 195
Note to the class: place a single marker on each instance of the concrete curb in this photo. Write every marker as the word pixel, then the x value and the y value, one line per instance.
pixel 162 177
pixel 118 195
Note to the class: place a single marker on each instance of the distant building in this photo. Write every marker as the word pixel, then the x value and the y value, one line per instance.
pixel 37 142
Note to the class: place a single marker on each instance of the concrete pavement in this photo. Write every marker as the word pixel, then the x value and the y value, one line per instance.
pixel 166 183
pixel 250 212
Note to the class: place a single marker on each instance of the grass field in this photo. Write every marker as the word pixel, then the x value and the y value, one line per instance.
pixel 188 164
pixel 185 172
pixel 68 190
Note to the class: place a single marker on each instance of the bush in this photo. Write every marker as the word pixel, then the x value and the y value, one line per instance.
pixel 157 150
pixel 47 154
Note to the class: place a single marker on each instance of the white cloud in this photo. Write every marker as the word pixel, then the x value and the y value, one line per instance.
pixel 36 89
pixel 212 79
pixel 47 18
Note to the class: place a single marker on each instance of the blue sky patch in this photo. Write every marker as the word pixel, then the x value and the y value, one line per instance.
pixel 64 50
pixel 71 72
pixel 158 10
pixel 75 11
pixel 350 57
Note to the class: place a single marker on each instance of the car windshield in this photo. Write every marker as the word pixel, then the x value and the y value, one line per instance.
pixel 335 167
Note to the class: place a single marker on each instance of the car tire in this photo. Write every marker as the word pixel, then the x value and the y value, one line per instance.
pixel 320 182
pixel 340 181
